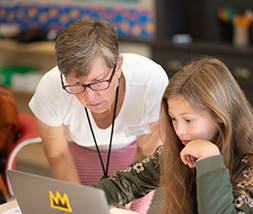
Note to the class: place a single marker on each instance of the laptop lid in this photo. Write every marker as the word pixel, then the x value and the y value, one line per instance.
pixel 40 195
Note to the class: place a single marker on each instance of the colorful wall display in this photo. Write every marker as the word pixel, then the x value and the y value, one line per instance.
pixel 129 22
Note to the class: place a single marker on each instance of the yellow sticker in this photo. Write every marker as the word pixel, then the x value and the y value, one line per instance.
pixel 58 202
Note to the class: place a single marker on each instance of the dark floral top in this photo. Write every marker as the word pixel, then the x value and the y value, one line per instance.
pixel 214 190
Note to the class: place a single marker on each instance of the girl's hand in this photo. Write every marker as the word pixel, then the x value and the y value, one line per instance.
pixel 197 149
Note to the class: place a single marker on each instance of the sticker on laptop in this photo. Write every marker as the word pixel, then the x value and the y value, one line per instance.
pixel 136 130
pixel 58 202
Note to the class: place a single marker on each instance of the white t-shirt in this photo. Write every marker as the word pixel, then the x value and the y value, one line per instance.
pixel 145 85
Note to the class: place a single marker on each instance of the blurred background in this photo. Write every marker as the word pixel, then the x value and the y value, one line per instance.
pixel 171 32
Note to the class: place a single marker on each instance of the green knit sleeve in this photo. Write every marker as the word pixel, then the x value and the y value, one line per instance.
pixel 216 194
pixel 135 182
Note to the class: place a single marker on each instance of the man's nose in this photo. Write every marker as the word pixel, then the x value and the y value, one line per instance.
pixel 89 94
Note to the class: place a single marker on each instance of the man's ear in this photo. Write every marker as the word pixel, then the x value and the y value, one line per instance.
pixel 119 67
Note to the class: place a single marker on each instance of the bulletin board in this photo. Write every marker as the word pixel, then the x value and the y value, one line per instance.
pixel 132 18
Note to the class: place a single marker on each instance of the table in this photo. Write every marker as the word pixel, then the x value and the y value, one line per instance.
pixel 7 206
pixel 13 204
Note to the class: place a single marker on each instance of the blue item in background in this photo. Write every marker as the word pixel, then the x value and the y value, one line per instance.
pixel 129 22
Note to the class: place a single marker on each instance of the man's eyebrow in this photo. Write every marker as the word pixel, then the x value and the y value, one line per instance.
pixel 101 76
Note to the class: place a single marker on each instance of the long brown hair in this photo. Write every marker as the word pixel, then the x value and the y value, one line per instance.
pixel 206 82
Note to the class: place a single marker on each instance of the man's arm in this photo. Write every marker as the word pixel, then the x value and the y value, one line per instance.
pixel 57 152
pixel 147 144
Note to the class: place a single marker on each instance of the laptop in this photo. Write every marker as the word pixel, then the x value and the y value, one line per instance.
pixel 43 195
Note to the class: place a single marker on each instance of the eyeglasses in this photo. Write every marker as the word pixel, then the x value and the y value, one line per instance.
pixel 96 86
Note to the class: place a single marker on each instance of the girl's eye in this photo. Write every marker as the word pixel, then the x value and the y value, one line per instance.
pixel 173 118
pixel 188 121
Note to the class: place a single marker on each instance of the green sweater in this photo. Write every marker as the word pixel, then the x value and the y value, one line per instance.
pixel 214 190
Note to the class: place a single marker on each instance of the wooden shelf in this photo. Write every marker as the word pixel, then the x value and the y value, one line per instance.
pixel 43 47
pixel 172 56
pixel 216 47
pixel 39 54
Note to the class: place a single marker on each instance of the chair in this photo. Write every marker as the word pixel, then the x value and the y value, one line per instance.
pixel 28 134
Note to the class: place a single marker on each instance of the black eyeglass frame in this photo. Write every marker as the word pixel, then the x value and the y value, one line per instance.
pixel 90 84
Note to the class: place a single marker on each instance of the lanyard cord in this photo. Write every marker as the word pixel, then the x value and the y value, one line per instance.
pixel 110 145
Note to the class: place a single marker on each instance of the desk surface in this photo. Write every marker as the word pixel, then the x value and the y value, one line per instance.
pixel 7 206
pixel 12 204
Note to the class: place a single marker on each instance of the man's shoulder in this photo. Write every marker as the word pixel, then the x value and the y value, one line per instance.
pixel 136 58
pixel 138 68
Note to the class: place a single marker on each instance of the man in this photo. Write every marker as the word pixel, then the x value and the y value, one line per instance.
pixel 98 110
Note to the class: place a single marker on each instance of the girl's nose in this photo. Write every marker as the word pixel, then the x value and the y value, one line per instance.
pixel 180 129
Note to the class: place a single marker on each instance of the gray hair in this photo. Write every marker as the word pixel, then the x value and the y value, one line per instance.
pixel 82 42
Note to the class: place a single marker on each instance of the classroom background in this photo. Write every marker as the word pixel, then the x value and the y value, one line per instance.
pixel 169 32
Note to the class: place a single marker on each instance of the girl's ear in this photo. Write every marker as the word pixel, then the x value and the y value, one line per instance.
pixel 218 119
pixel 215 116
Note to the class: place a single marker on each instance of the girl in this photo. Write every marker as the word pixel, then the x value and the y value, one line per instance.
pixel 205 163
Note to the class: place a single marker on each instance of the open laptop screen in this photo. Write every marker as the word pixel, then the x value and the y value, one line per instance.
pixel 40 195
